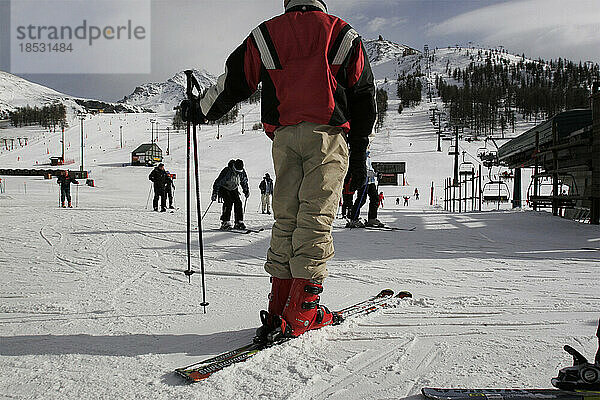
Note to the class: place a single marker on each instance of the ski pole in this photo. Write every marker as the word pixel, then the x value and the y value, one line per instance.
pixel 245 202
pixel 360 203
pixel 198 212
pixel 149 193
pixel 77 197
pixel 207 208
pixel 191 83
pixel 188 210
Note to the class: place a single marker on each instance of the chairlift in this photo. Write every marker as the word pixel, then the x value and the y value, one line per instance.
pixel 567 190
pixel 453 149
pixel 466 168
pixel 495 191
pixel 490 159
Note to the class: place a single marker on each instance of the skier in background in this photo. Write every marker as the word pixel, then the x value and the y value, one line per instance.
pixel 226 187
pixel 347 197
pixel 266 190
pixel 158 176
pixel 317 89
pixel 406 198
pixel 416 194
pixel 65 180
pixel 169 189
pixel 381 198
pixel 397 201
pixel 371 189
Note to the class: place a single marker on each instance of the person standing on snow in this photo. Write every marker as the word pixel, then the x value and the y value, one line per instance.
pixel 65 180
pixel 416 193
pixel 226 187
pixel 266 190
pixel 347 198
pixel 369 188
pixel 316 78
pixel 381 198
pixel 158 176
pixel 169 189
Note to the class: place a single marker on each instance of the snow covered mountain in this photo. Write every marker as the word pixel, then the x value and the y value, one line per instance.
pixel 18 92
pixel 163 96
pixel 380 50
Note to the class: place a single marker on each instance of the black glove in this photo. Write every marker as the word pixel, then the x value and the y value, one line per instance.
pixel 357 169
pixel 247 194
pixel 191 111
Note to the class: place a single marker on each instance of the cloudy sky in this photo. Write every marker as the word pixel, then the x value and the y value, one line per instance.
pixel 201 33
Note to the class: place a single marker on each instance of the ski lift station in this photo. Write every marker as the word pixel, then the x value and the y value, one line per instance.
pixel 564 152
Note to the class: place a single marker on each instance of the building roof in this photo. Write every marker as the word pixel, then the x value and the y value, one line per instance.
pixel 522 148
pixel 143 148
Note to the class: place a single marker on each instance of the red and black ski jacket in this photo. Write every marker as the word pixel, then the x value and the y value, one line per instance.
pixel 313 67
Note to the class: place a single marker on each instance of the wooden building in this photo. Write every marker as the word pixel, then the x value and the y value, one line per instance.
pixel 147 154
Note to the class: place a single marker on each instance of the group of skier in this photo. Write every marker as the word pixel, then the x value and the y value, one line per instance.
pixel 163 187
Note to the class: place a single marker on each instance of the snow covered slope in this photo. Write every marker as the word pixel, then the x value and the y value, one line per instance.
pixel 95 303
pixel 163 96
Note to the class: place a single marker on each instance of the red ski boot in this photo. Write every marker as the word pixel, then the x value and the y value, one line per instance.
pixel 280 289
pixel 302 311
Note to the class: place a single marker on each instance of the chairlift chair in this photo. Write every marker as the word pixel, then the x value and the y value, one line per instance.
pixel 452 150
pixel 466 168
pixel 495 191
pixel 567 190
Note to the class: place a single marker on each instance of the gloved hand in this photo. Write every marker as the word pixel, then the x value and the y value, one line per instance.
pixel 247 194
pixel 191 111
pixel 357 168
pixel 213 197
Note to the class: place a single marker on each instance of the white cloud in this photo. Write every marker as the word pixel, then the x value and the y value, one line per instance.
pixel 548 28
pixel 379 23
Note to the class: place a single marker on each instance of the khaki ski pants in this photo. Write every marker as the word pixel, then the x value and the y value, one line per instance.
pixel 310 163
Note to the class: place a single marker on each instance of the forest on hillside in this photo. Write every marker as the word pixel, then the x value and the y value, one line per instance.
pixel 488 95
pixel 50 116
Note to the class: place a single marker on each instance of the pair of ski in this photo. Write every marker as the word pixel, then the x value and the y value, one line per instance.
pixel 508 394
pixel 389 228
pixel 203 369
pixel 383 228
pixel 242 231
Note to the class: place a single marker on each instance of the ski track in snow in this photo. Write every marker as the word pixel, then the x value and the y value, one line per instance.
pixel 94 302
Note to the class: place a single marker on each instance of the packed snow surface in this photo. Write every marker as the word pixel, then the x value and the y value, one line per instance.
pixel 95 303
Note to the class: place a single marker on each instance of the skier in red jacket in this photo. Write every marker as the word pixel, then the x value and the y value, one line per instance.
pixel 318 106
